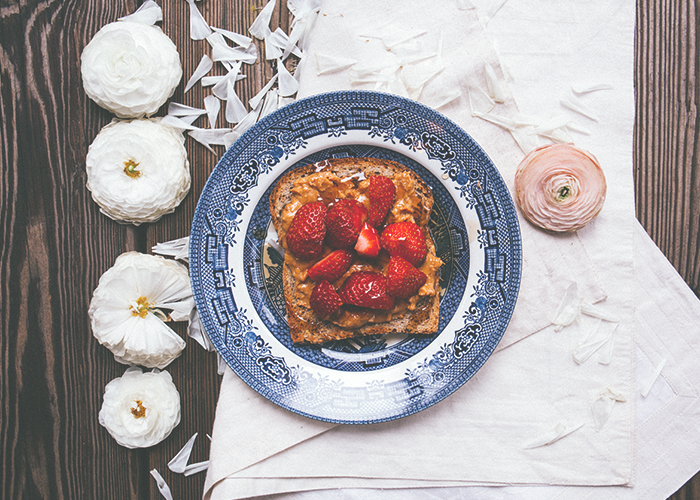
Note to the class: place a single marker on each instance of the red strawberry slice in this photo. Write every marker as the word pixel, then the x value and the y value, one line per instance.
pixel 366 289
pixel 402 279
pixel 381 193
pixel 307 231
pixel 324 300
pixel 406 240
pixel 368 245
pixel 344 222
pixel 331 267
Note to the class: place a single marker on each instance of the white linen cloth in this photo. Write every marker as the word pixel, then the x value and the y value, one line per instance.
pixel 477 435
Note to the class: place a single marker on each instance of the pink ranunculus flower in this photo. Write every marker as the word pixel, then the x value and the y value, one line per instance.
pixel 559 187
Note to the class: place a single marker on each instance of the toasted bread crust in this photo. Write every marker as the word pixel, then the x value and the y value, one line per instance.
pixel 304 325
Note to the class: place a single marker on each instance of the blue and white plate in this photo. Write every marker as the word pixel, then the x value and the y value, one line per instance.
pixel 237 272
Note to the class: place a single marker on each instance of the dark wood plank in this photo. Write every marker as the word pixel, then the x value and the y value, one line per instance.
pixel 667 141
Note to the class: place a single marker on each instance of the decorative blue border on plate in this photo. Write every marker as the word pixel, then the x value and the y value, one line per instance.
pixel 239 336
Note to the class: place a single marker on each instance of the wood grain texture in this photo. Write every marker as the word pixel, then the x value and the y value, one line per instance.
pixel 667 141
pixel 56 243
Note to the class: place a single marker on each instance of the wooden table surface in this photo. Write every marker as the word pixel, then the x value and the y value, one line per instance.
pixel 56 243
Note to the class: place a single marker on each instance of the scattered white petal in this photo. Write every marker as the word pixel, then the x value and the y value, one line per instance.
pixel 569 308
pixel 592 343
pixel 501 121
pixel 646 388
pixel 440 96
pixel 212 104
pixel 216 39
pixel 177 122
pixel 272 103
pixel 606 354
pixel 597 312
pixel 179 462
pixel 179 249
pixel 392 34
pixel 558 136
pixel 230 138
pixel 220 90
pixel 149 13
pixel 162 485
pixel 261 26
pixel 396 86
pixel 199 28
pixel 465 5
pixel 299 31
pixel 234 54
pixel 415 76
pixel 281 101
pixel 235 109
pixel 140 409
pixel 585 89
pixel 493 84
pixel 236 38
pixel 177 109
pixel 602 407
pixel 559 431
pixel 209 136
pixel 288 85
pixel 221 364
pixel 197 467
pixel 263 92
pixel 195 330
pixel 204 67
pixel 575 127
pixel 208 81
pixel 575 105
pixel 275 44
pixel 525 138
pixel 479 100
pixel 373 74
pixel 328 64
pixel 494 7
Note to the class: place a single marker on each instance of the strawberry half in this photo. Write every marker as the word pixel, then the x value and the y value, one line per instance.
pixel 307 231
pixel 406 240
pixel 366 289
pixel 324 300
pixel 331 267
pixel 381 193
pixel 344 222
pixel 368 245
pixel 402 279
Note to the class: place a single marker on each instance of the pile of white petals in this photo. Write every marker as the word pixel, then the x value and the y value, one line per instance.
pixel 138 170
pixel 140 409
pixel 129 305
pixel 559 187
pixel 130 68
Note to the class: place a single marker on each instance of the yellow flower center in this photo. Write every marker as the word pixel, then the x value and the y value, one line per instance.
pixel 140 308
pixel 139 411
pixel 130 169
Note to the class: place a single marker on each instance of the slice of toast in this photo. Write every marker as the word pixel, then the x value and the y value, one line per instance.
pixel 341 178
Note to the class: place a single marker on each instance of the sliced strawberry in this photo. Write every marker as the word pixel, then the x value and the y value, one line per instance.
pixel 406 240
pixel 381 193
pixel 331 267
pixel 366 289
pixel 368 245
pixel 344 222
pixel 307 231
pixel 402 279
pixel 324 300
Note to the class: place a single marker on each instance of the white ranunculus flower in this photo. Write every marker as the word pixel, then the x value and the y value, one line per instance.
pixel 140 409
pixel 138 170
pixel 130 303
pixel 130 68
